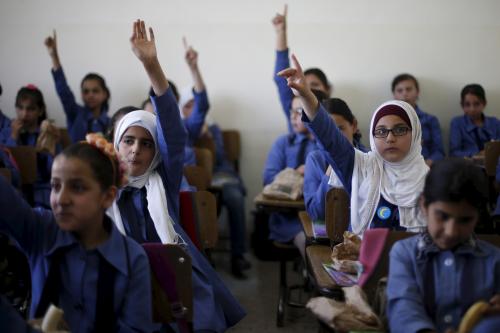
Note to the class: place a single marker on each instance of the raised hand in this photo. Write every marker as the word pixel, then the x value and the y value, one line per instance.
pixel 279 21
pixel 142 46
pixel 16 126
pixel 297 82
pixel 191 55
pixel 51 44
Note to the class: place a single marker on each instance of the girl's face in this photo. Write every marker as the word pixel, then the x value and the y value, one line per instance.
pixel 392 148
pixel 450 223
pixel 187 109
pixel 76 198
pixel 473 106
pixel 28 112
pixel 315 83
pixel 296 117
pixel 93 94
pixel 406 91
pixel 345 126
pixel 137 147
pixel 149 107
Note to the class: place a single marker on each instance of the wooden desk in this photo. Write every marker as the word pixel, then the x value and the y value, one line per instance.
pixel 307 225
pixel 277 205
pixel 316 256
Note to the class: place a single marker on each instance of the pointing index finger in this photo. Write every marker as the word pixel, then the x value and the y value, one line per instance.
pixel 285 10
pixel 296 64
pixel 184 41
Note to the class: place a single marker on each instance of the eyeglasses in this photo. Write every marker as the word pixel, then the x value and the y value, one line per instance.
pixel 396 131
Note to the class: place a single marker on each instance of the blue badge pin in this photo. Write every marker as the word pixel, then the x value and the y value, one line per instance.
pixel 384 213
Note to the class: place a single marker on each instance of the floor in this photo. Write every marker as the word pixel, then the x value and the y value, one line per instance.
pixel 259 296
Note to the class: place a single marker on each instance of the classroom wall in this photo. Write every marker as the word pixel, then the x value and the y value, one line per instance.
pixel 360 45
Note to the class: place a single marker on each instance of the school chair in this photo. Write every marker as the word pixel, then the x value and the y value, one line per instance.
pixel 4 172
pixel 199 219
pixel 205 159
pixel 491 155
pixel 197 176
pixel 232 147
pixel 26 160
pixel 337 214
pixel 65 139
pixel 206 143
pixel 171 286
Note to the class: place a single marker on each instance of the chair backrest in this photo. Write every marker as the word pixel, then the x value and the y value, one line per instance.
pixel 171 283
pixel 337 214
pixel 204 159
pixel 232 147
pixel 197 176
pixel 206 142
pixel 198 213
pixel 4 172
pixel 65 139
pixel 490 238
pixel 25 157
pixel 491 155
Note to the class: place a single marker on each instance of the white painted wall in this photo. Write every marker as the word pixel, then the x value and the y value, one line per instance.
pixel 360 44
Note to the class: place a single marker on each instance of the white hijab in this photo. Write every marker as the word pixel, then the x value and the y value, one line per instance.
pixel 399 183
pixel 155 192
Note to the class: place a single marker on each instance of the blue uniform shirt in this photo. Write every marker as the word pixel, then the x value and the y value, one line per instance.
pixel 431 289
pixel 4 121
pixel 432 143
pixel 284 91
pixel 37 233
pixel 466 139
pixel 79 119
pixel 196 119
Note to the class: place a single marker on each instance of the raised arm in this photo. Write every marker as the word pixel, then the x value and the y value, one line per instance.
pixel 282 62
pixel 316 184
pixel 51 44
pixel 194 123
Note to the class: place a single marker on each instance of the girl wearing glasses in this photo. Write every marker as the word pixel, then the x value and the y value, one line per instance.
pixel 384 184
pixel 92 116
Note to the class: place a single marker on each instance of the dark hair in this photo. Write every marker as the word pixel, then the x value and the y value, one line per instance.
pixel 146 101
pixel 102 83
pixel 454 180
pixel 172 86
pixel 474 89
pixel 1 90
pixel 319 74
pixel 104 168
pixel 404 77
pixel 320 95
pixel 339 107
pixel 114 119
pixel 34 95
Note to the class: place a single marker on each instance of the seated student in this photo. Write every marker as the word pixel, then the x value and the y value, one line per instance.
pixel 384 184
pixel 289 151
pixel 194 105
pixel 434 277
pixel 4 120
pixel 78 258
pixel 469 132
pixel 405 88
pixel 147 209
pixel 92 117
pixel 26 130
pixel 318 175
pixel 315 77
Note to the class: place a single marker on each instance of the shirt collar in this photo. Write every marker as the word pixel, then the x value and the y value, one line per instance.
pixel 299 137
pixel 469 125
pixel 426 247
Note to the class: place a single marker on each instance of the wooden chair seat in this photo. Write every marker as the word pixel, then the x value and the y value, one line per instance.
pixel 26 160
pixel 232 147
pixel 197 176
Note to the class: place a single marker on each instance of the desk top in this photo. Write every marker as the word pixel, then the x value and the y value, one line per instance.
pixel 263 201
pixel 316 256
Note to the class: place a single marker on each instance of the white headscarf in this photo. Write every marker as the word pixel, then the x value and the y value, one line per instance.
pixel 155 191
pixel 399 183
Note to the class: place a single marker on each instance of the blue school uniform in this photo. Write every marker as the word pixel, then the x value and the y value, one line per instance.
pixel 11 320
pixel 214 307
pixel 289 150
pixel 36 231
pixel 340 155
pixel 196 119
pixel 79 119
pixel 432 144
pixel 4 121
pixel 316 182
pixel 467 139
pixel 284 91
pixel 497 178
pixel 41 188
pixel 429 288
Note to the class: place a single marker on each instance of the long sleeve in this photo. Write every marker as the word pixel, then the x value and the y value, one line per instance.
pixel 195 121
pixel 66 96
pixel 284 91
pixel 405 305
pixel 171 141
pixel 436 152
pixel 276 160
pixel 457 148
pixel 340 152
pixel 6 137
pixel 315 185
